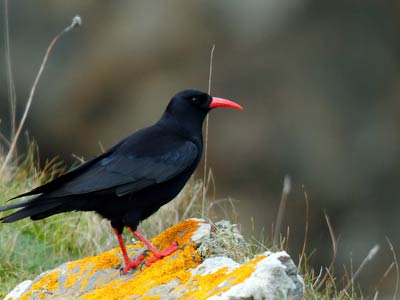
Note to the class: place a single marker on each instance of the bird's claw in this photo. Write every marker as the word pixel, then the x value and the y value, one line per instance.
pixel 131 264
pixel 122 271
pixel 160 254
pixel 139 261
pixel 142 264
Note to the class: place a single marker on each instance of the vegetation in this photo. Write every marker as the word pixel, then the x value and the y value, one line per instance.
pixel 28 248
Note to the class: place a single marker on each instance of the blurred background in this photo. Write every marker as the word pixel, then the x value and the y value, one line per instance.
pixel 319 80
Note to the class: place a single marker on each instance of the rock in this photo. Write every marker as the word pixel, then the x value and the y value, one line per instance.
pixel 184 275
pixel 19 290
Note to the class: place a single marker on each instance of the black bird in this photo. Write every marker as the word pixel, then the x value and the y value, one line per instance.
pixel 135 177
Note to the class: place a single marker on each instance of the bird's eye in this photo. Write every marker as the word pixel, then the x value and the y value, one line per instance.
pixel 195 100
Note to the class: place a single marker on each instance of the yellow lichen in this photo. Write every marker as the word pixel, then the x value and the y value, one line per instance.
pixel 152 297
pixel 81 270
pixel 177 266
pixel 46 284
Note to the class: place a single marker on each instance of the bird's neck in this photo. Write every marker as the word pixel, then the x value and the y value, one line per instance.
pixel 190 128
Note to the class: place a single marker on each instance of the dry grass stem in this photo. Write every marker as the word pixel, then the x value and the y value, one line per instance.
pixel 78 158
pixel 287 186
pixel 203 207
pixel 371 254
pixel 76 21
pixel 303 250
pixel 102 149
pixel 376 295
pixel 12 98
pixel 334 248
pixel 397 267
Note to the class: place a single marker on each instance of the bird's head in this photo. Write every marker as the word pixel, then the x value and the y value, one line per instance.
pixel 188 108
pixel 201 101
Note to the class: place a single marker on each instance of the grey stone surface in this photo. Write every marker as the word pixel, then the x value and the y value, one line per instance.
pixel 19 290
pixel 273 278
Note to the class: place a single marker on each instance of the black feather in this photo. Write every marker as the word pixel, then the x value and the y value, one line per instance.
pixel 28 212
pixel 16 205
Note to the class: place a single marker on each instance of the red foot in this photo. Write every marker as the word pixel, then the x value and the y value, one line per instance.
pixel 157 254
pixel 160 254
pixel 130 264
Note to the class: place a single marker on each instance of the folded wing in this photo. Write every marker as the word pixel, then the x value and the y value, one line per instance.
pixel 124 169
pixel 127 173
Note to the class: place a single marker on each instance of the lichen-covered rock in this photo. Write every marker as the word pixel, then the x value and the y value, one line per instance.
pixel 183 275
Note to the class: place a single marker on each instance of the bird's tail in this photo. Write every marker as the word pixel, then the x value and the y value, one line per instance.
pixel 36 208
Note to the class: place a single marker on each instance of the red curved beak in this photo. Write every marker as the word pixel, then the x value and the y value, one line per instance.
pixel 219 102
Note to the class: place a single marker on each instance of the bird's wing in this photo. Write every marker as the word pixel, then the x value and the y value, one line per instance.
pixel 149 156
pixel 129 172
pixel 70 175
pixel 127 167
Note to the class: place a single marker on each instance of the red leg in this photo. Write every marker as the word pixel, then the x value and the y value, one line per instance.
pixel 157 253
pixel 129 264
